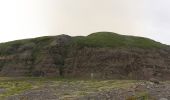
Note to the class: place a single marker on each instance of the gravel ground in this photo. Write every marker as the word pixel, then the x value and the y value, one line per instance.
pixel 154 92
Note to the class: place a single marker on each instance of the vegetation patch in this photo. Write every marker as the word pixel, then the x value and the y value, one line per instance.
pixel 140 96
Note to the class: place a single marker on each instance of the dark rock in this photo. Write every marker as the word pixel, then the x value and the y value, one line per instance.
pixel 156 81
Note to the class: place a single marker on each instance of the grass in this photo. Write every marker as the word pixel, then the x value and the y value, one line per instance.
pixel 13 86
pixel 108 39
pixel 140 96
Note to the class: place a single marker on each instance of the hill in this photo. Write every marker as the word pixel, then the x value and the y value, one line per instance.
pixel 98 55
pixel 109 39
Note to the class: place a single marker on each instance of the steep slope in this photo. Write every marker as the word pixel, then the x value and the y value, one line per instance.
pixel 98 55
pixel 33 57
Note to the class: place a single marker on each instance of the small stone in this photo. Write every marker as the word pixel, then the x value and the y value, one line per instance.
pixel 153 80
pixel 163 99
pixel 148 87
pixel 2 90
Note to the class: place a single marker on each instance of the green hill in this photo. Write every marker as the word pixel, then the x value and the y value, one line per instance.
pixel 98 39
pixel 108 39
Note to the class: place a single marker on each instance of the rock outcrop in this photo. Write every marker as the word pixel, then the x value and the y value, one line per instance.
pixel 118 63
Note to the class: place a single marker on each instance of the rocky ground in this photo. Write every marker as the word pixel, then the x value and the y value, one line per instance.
pixel 71 89
pixel 140 91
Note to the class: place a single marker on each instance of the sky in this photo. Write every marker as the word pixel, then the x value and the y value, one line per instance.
pixel 21 19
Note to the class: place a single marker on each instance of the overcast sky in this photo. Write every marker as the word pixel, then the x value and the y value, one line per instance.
pixel 31 18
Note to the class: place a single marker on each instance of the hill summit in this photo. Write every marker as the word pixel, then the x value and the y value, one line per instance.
pixel 109 39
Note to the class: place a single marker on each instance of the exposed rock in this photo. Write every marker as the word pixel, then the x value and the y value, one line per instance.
pixel 163 99
pixel 2 90
pixel 154 81
pixel 115 63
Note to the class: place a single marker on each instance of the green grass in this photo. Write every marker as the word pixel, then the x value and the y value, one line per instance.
pixel 13 86
pixel 140 96
pixel 108 39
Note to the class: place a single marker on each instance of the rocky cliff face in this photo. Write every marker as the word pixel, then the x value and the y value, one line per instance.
pixel 121 63
pixel 31 59
pixel 69 57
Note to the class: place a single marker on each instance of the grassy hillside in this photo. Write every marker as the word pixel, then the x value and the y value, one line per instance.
pixel 35 44
pixel 99 39
pixel 108 39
